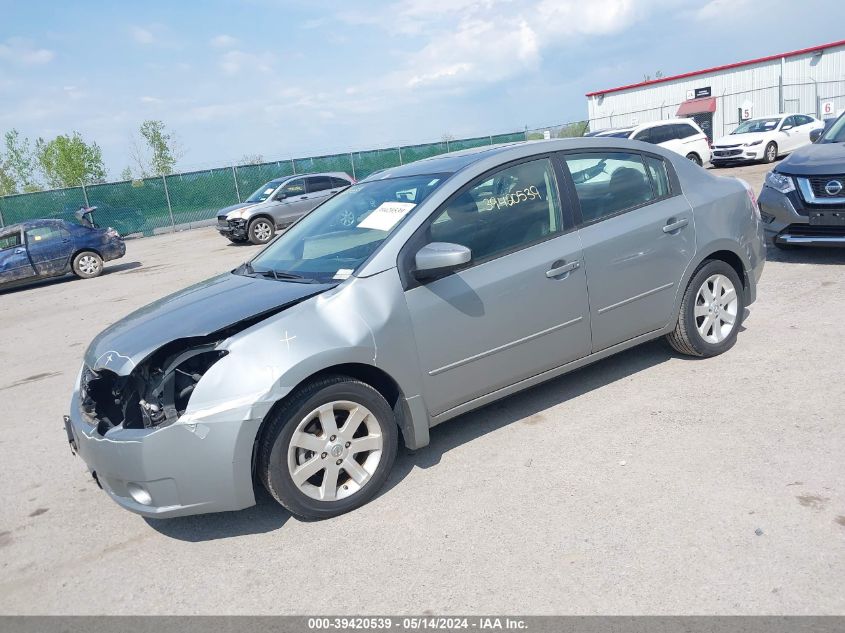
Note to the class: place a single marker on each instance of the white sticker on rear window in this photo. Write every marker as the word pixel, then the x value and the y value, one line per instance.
pixel 386 216
pixel 343 273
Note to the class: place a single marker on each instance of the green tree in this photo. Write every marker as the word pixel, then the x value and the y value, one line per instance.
pixel 126 174
pixel 68 161
pixel 573 130
pixel 161 150
pixel 17 165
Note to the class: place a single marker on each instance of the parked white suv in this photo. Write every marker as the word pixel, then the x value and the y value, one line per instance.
pixel 682 136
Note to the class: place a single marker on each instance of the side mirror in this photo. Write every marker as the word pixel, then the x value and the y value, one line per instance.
pixel 785 128
pixel 280 196
pixel 815 135
pixel 438 258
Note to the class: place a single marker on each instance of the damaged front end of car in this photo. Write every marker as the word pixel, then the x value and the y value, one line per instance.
pixel 154 394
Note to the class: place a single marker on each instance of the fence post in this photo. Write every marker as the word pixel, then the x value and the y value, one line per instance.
pixel 400 154
pixel 169 208
pixel 84 193
pixel 235 178
pixel 293 166
pixel 2 221
pixel 352 162
pixel 491 139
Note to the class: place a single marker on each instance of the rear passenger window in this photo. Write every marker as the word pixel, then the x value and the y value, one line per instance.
pixel 319 183
pixel 643 135
pixel 340 182
pixel 609 182
pixel 659 175
pixel 685 131
pixel 10 241
pixel 42 234
pixel 508 210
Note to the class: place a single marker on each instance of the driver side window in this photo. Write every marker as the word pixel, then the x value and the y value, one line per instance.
pixel 293 188
pixel 508 210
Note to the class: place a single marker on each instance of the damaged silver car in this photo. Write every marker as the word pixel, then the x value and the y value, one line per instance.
pixel 460 279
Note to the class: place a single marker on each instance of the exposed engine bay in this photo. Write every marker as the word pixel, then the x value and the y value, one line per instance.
pixel 155 393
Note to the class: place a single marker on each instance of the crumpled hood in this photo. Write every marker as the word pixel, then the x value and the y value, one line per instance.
pixel 739 139
pixel 199 310
pixel 241 205
pixel 819 159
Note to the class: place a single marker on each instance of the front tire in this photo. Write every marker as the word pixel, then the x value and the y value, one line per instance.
pixel 711 312
pixel 771 153
pixel 87 265
pixel 328 448
pixel 261 231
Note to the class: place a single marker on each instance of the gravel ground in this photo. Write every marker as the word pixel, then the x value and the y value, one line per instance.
pixel 646 483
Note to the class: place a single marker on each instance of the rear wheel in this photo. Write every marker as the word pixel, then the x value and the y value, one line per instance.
pixel 692 156
pixel 261 231
pixel 87 264
pixel 711 311
pixel 329 448
pixel 717 164
pixel 771 153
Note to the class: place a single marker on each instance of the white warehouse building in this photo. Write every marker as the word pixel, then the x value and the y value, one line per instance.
pixel 808 81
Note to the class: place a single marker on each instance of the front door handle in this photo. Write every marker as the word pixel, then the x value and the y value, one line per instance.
pixel 674 226
pixel 562 270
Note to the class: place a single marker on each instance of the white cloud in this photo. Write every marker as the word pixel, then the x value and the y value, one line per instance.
pixel 21 51
pixel 151 100
pixel 142 35
pixel 236 61
pixel 717 9
pixel 223 41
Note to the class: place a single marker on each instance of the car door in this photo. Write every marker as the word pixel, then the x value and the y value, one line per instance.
pixel 14 260
pixel 805 125
pixel 293 202
pixel 519 307
pixel 50 247
pixel 789 134
pixel 638 237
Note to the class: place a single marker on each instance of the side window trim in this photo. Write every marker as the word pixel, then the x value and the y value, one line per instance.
pixel 417 240
pixel 674 183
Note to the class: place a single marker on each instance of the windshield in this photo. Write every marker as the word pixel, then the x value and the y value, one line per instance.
pixel 264 191
pixel 332 241
pixel 757 125
pixel 836 132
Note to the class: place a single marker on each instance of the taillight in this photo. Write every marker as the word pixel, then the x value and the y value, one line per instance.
pixel 752 196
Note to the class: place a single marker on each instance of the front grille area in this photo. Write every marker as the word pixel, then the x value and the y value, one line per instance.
pixel 807 230
pixel 109 400
pixel 725 153
pixel 222 222
pixel 819 184
pixel 728 146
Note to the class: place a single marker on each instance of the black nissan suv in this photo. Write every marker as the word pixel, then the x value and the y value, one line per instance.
pixel 803 198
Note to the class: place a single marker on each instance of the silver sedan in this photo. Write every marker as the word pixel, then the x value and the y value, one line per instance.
pixel 410 298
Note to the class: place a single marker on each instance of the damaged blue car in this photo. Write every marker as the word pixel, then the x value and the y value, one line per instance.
pixel 51 248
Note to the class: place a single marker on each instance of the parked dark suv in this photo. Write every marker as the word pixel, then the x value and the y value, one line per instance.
pixel 803 198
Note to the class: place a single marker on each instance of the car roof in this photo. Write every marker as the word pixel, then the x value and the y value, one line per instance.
pixel 30 224
pixel 456 161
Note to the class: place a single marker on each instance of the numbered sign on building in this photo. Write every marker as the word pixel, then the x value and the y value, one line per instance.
pixel 828 108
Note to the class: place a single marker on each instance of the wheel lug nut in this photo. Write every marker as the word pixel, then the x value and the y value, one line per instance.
pixel 348 444
pixel 339 462
pixel 323 456
pixel 332 438
pixel 345 487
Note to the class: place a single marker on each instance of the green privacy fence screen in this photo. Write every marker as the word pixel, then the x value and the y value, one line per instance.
pixel 161 204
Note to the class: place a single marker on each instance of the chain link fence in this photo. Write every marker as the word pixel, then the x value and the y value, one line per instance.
pixel 187 200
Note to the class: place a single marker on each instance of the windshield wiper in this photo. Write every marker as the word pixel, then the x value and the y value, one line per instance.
pixel 281 275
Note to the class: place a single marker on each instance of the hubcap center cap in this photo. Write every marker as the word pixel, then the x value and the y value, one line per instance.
pixel 336 450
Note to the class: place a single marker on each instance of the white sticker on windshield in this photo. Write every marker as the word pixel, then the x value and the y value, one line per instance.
pixel 343 273
pixel 267 192
pixel 386 216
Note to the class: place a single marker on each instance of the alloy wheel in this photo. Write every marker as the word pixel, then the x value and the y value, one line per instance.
pixel 263 231
pixel 335 450
pixel 716 307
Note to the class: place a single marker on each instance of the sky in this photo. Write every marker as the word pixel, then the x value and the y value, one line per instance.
pixel 298 78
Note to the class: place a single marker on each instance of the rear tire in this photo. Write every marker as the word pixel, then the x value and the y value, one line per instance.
pixel 716 164
pixel 87 265
pixel 695 158
pixel 711 311
pixel 261 231
pixel 771 152
pixel 328 448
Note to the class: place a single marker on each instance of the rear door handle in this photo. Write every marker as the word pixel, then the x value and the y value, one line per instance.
pixel 674 226
pixel 561 270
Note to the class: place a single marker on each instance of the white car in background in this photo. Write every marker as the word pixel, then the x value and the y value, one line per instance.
pixel 765 138
pixel 682 136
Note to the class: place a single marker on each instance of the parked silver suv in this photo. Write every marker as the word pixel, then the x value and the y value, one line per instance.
pixel 277 204
pixel 463 279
